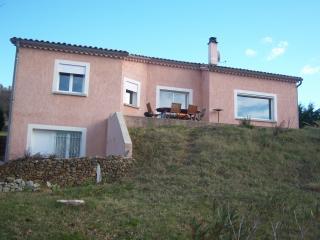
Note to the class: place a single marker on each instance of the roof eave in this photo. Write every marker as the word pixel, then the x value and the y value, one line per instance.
pixel 79 49
pixel 67 47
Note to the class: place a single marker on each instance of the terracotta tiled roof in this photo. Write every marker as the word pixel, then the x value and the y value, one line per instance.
pixel 88 50
pixel 65 47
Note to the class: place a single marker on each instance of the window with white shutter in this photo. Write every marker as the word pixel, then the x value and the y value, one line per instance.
pixel 131 92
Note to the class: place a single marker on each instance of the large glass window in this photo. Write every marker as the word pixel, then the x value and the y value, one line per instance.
pixel 168 97
pixel 255 107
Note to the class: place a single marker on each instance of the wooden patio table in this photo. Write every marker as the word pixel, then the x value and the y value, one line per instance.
pixel 164 110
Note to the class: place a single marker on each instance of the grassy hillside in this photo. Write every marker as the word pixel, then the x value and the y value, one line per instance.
pixel 199 183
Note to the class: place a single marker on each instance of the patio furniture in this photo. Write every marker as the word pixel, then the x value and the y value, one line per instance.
pixel 201 114
pixel 192 112
pixel 165 111
pixel 150 113
pixel 218 110
pixel 175 111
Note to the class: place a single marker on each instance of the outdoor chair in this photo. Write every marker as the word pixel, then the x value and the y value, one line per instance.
pixel 192 112
pixel 150 113
pixel 175 111
pixel 201 114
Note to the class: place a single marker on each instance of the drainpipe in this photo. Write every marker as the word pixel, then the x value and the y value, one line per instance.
pixel 6 156
pixel 299 83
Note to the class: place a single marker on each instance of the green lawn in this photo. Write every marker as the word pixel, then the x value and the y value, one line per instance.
pixel 188 183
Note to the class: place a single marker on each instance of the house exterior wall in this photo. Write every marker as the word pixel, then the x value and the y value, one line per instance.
pixel 138 72
pixel 221 90
pixel 151 76
pixel 35 103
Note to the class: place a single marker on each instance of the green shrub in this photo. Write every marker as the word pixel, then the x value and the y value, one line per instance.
pixel 1 119
pixel 246 122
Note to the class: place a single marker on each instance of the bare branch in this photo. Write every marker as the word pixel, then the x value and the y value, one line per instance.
pixel 274 230
pixel 230 221
pixel 253 230
pixel 240 226
pixel 299 226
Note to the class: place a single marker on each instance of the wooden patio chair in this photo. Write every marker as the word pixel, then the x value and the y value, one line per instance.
pixel 192 112
pixel 150 112
pixel 175 111
pixel 201 114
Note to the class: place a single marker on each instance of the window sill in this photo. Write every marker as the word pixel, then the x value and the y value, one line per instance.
pixel 256 120
pixel 132 106
pixel 70 93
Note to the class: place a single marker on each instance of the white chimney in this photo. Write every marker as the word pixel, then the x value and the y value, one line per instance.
pixel 213 52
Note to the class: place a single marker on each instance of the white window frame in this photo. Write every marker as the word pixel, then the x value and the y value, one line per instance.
pixel 173 89
pixel 125 79
pixel 56 77
pixel 274 103
pixel 32 127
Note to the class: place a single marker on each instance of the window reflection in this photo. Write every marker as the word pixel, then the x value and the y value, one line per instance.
pixel 254 107
pixel 169 97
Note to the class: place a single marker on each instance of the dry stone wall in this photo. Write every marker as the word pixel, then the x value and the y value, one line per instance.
pixel 74 171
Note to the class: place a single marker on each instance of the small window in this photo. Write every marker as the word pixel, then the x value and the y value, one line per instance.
pixel 256 106
pixel 131 92
pixel 71 77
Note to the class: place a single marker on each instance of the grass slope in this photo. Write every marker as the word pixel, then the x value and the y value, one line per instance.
pixel 188 183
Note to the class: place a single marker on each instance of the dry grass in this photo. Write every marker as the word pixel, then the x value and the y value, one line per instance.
pixel 182 179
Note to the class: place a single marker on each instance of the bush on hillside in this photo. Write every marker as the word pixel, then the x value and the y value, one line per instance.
pixel 308 116
pixel 1 119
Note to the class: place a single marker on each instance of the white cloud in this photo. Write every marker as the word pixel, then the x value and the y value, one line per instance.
pixel 309 70
pixel 250 52
pixel 267 40
pixel 278 51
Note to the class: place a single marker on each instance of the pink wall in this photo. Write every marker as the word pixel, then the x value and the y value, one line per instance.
pixel 36 104
pixel 137 72
pixel 222 88
pixel 151 76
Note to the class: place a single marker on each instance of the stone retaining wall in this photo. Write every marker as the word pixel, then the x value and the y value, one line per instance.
pixel 74 171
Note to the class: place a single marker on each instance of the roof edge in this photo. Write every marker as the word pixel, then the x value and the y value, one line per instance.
pixel 24 42
pixel 81 49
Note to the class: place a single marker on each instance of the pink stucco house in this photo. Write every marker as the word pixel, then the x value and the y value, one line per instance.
pixel 63 94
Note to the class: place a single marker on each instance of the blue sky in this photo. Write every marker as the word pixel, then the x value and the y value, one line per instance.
pixel 273 36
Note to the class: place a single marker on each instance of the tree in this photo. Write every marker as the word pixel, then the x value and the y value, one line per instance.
pixel 308 116
pixel 1 119
pixel 5 94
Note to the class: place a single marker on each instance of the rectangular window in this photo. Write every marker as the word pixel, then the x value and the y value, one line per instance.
pixel 71 77
pixel 67 144
pixel 168 97
pixel 71 82
pixel 256 106
pixel 63 142
pixel 131 94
